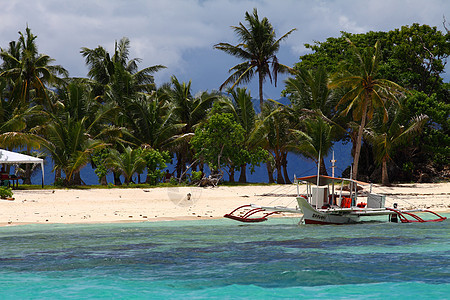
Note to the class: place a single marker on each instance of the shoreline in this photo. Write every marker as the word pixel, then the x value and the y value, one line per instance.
pixel 90 206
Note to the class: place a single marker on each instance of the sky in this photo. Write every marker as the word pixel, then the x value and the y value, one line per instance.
pixel 180 34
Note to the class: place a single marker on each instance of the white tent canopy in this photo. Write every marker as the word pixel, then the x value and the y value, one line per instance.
pixel 8 157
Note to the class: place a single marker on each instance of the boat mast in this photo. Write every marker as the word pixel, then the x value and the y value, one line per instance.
pixel 318 180
pixel 351 182
pixel 332 165
pixel 333 161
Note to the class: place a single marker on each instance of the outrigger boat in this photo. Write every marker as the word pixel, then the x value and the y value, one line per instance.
pixel 319 206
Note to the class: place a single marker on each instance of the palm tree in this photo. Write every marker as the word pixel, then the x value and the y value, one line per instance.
pixel 387 137
pixel 309 94
pixel 366 92
pixel 116 80
pixel 118 70
pixel 313 114
pixel 258 47
pixel 241 106
pixel 191 112
pixel 28 73
pixel 272 132
pixel 128 163
pixel 79 127
pixel 315 142
pixel 152 122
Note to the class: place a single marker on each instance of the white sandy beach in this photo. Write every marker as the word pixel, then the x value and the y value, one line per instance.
pixel 158 204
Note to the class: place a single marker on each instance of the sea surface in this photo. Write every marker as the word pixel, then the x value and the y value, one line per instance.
pixel 224 259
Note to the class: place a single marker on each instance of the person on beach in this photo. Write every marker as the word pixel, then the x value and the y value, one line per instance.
pixel 167 176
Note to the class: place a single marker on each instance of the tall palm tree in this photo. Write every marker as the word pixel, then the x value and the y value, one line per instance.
pixel 29 73
pixel 117 80
pixel 28 76
pixel 258 47
pixel 366 91
pixel 387 137
pixel 105 70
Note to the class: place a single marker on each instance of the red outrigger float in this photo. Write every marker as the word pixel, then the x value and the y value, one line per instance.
pixel 247 212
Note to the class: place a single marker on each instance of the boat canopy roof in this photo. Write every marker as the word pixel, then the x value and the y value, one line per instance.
pixel 325 180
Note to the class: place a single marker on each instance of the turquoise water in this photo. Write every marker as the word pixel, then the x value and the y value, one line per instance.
pixel 224 259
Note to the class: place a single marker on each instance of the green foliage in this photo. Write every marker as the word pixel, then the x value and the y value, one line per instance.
pixel 408 167
pixel 413 56
pixel 253 158
pixel 5 192
pixel 128 163
pixel 155 161
pixel 99 160
pixel 386 138
pixel 220 143
pixel 196 176
pixel 437 111
pixel 316 138
pixel 59 182
pixel 29 73
pixel 173 181
pixel 367 93
pixel 188 112
pixel 435 142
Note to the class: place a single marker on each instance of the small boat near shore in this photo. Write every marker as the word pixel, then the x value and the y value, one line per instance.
pixel 322 205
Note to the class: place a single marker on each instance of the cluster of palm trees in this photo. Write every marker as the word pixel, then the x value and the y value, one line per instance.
pixel 117 108
pixel 118 120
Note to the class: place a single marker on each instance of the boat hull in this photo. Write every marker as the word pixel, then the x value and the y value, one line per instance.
pixel 313 216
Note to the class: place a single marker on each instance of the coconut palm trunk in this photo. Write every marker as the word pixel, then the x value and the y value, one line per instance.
pixel 384 173
pixel 270 172
pixel 359 138
pixel 261 94
pixel 284 165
